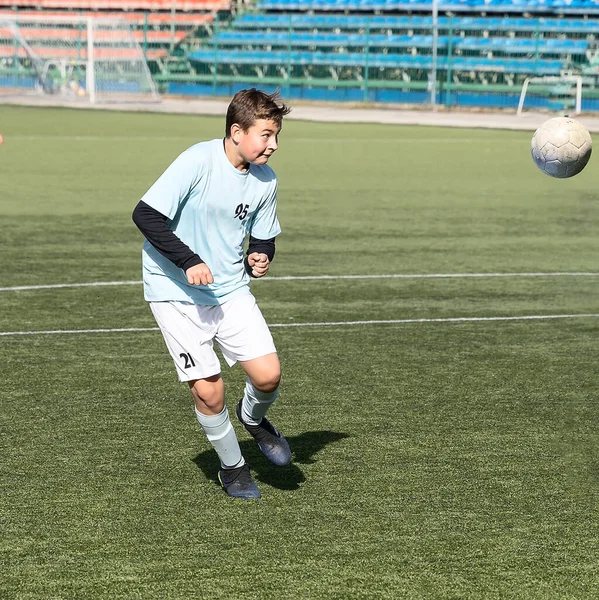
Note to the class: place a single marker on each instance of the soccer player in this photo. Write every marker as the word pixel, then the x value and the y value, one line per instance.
pixel 196 218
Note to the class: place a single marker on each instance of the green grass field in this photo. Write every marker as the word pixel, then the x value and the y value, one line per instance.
pixel 433 458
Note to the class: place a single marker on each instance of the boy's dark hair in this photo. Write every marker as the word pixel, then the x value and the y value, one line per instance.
pixel 248 106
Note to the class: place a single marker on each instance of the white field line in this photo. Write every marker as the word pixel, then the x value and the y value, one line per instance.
pixel 99 138
pixel 53 286
pixel 190 139
pixel 73 331
pixel 21 288
pixel 430 276
pixel 324 324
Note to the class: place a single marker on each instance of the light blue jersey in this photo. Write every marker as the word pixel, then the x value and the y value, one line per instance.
pixel 211 207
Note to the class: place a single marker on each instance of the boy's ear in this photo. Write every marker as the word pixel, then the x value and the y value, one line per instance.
pixel 236 132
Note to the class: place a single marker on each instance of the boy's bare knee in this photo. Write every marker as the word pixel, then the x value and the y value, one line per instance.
pixel 208 394
pixel 267 382
pixel 264 372
pixel 214 402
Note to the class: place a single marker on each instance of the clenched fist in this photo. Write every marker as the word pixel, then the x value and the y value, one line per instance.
pixel 259 264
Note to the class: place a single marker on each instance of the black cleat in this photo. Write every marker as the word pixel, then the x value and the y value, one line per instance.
pixel 238 483
pixel 273 445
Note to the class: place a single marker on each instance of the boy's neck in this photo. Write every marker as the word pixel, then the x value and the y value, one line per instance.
pixel 233 155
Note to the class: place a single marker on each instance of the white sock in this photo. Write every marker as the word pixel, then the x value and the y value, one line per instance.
pixel 255 403
pixel 221 435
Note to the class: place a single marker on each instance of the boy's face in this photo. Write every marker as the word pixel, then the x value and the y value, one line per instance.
pixel 258 143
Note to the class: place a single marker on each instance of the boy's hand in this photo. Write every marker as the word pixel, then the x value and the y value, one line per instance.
pixel 259 264
pixel 199 275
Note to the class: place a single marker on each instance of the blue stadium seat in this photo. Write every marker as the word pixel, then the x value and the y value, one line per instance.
pixel 399 22
pixel 524 45
pixel 506 45
pixel 324 39
pixel 401 61
pixel 504 6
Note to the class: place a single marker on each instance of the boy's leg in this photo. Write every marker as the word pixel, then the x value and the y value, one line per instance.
pixel 213 416
pixel 244 337
pixel 187 331
pixel 261 390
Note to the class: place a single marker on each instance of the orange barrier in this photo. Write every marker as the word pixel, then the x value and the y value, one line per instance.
pixel 59 33
pixel 8 51
pixel 176 5
pixel 139 18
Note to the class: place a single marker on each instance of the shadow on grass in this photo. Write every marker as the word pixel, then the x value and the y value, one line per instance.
pixel 303 447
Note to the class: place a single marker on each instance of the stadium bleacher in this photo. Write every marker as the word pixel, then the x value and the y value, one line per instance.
pixel 399 42
pixel 473 45
pixel 485 45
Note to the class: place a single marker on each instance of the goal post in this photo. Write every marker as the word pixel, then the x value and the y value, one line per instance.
pixel 93 59
pixel 561 93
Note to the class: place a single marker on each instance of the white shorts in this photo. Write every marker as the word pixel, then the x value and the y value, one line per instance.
pixel 190 330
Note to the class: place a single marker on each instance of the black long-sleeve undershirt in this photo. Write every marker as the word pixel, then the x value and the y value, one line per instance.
pixel 153 225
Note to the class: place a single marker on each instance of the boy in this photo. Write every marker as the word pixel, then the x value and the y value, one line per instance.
pixel 195 219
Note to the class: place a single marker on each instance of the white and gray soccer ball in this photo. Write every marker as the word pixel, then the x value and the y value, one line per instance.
pixel 561 147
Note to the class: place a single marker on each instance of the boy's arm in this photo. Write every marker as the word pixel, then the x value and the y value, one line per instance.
pixel 153 225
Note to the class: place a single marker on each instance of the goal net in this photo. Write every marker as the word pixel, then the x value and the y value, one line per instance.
pixel 87 58
pixel 557 93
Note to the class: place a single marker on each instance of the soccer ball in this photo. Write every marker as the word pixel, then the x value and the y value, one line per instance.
pixel 561 147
